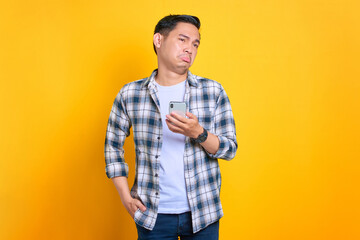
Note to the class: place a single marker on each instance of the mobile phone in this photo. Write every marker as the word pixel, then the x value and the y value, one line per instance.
pixel 178 108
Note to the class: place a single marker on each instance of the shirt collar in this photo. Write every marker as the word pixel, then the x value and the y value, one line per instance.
pixel 191 78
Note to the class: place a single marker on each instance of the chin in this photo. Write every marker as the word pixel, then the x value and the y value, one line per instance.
pixel 182 69
pixel 186 65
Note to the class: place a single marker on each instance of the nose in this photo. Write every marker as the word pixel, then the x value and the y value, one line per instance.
pixel 188 48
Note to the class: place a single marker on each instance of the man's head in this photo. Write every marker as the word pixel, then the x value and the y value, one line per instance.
pixel 176 39
pixel 168 23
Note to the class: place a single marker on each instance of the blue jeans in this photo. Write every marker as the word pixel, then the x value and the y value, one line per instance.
pixel 170 226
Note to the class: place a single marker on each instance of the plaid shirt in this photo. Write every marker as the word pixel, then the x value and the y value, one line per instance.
pixel 137 105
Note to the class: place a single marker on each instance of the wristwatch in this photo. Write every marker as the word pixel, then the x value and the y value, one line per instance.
pixel 201 138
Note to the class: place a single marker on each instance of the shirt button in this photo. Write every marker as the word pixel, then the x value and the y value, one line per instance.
pixel 156 156
pixel 156 175
pixel 159 138
pixel 156 193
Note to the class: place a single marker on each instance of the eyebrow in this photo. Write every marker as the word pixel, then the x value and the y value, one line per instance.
pixel 187 37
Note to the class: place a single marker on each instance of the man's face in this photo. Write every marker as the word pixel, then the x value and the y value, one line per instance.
pixel 178 50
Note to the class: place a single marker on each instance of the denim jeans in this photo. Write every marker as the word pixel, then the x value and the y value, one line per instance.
pixel 170 226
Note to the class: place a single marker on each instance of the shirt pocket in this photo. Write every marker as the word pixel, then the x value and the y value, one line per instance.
pixel 205 117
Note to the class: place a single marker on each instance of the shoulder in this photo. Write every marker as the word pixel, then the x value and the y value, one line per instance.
pixel 129 91
pixel 132 87
pixel 208 84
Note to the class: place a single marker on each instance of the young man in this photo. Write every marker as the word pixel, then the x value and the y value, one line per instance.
pixel 177 182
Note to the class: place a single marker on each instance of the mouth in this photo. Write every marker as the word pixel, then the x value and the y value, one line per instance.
pixel 185 59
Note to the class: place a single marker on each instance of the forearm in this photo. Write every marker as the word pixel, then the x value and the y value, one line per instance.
pixel 218 146
pixel 122 187
pixel 211 144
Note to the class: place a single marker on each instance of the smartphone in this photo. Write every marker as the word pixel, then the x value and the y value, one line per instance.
pixel 177 107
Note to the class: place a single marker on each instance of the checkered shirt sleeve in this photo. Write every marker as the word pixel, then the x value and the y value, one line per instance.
pixel 118 129
pixel 224 128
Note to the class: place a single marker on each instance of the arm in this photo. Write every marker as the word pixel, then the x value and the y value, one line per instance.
pixel 131 204
pixel 116 168
pixel 211 144
pixel 224 128
pixel 118 129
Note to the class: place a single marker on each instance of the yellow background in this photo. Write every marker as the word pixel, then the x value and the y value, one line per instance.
pixel 290 68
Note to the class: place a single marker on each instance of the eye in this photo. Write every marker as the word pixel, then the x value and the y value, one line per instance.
pixel 182 39
pixel 196 45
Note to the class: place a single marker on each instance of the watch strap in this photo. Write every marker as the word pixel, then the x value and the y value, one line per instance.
pixel 202 137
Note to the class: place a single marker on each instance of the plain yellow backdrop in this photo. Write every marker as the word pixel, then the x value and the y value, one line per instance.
pixel 290 68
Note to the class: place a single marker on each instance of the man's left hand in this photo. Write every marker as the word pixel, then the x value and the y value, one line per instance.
pixel 187 126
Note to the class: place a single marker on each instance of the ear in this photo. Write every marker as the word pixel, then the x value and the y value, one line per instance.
pixel 157 40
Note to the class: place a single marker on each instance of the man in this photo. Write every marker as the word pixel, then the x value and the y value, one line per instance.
pixel 177 181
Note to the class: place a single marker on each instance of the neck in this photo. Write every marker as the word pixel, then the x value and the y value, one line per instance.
pixel 169 78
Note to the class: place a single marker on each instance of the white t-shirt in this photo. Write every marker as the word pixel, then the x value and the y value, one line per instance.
pixel 173 198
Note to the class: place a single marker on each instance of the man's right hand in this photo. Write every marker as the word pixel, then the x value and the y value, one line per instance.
pixel 132 205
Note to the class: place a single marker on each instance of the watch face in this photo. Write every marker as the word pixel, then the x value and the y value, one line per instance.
pixel 202 137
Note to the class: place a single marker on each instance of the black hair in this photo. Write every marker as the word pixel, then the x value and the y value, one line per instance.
pixel 168 23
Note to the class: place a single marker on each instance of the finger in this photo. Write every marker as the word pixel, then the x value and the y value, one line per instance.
pixel 178 117
pixel 191 116
pixel 172 127
pixel 140 206
pixel 132 214
pixel 134 208
pixel 175 121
